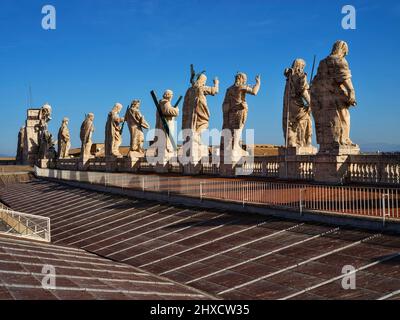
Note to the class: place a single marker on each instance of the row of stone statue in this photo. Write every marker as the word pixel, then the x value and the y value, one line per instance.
pixel 328 99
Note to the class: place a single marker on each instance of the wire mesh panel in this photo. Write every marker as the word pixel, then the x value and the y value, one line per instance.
pixel 25 225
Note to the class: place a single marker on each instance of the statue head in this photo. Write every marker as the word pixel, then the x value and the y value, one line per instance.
pixel 46 111
pixel 90 116
pixel 135 104
pixel 168 94
pixel 340 48
pixel 65 121
pixel 298 65
pixel 240 78
pixel 117 107
pixel 201 80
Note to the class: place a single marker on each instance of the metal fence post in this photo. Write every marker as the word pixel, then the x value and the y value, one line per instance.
pixel 384 196
pixel 301 200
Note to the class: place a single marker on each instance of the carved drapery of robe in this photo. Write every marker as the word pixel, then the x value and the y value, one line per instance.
pixel 169 113
pixel 196 114
pixel 330 104
pixel 136 123
pixel 113 137
pixel 86 131
pixel 64 142
pixel 299 126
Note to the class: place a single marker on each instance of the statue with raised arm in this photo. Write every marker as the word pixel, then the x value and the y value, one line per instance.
pixel 196 114
pixel 332 95
pixel 87 129
pixel 297 124
pixel 136 123
pixel 64 140
pixel 235 110
pixel 113 137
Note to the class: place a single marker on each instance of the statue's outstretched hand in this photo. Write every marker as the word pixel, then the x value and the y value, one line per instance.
pixel 353 102
pixel 258 78
pixel 352 99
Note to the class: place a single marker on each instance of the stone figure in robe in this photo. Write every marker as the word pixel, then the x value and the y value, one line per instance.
pixel 113 138
pixel 64 140
pixel 196 115
pixel 235 110
pixel 332 95
pixel 136 123
pixel 169 113
pixel 87 129
pixel 297 124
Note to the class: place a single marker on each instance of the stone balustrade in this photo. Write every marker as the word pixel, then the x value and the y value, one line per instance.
pixel 360 169
pixel 374 169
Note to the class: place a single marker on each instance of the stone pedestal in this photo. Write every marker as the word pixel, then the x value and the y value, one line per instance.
pixel 111 163
pixel 131 163
pixel 227 170
pixel 192 168
pixel 83 163
pixel 44 163
pixel 195 153
pixel 330 169
pixel 161 168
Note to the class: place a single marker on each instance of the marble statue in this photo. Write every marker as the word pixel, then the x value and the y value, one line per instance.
pixel 113 138
pixel 297 124
pixel 87 129
pixel 235 111
pixel 136 123
pixel 169 113
pixel 64 140
pixel 196 114
pixel 20 146
pixel 46 143
pixel 332 94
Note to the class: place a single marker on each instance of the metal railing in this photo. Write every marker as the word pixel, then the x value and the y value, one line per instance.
pixel 25 225
pixel 380 203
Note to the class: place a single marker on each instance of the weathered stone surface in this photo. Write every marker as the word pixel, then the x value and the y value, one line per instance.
pixel 87 129
pixel 235 111
pixel 113 138
pixel 31 137
pixel 330 169
pixel 46 143
pixel 332 95
pixel 20 146
pixel 196 116
pixel 136 123
pixel 297 124
pixel 64 140
pixel 162 149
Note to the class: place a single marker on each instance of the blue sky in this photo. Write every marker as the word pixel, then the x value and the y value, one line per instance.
pixel 107 51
